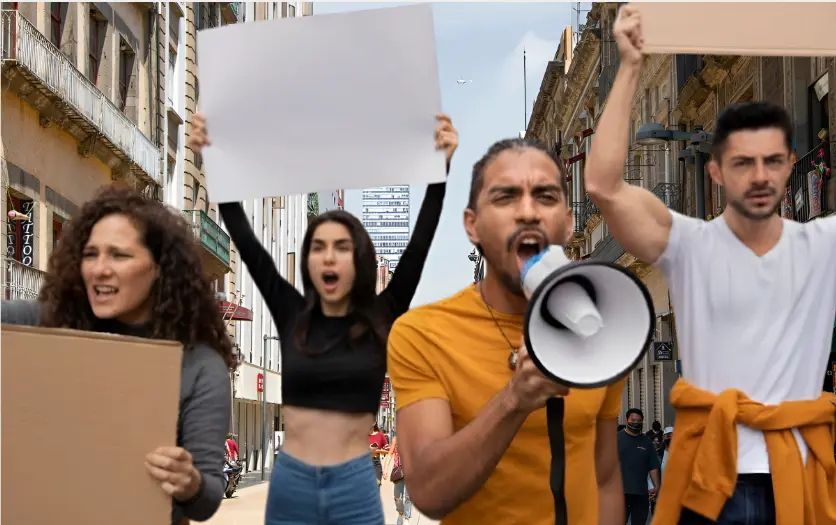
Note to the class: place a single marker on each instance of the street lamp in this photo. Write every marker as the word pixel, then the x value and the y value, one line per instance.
pixel 264 403
pixel 654 134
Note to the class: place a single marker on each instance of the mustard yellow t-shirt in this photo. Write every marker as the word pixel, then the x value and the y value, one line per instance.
pixel 453 350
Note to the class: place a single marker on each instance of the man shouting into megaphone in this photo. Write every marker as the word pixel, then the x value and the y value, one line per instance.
pixel 471 424
pixel 755 297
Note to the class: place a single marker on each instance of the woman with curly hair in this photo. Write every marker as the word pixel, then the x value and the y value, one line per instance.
pixel 128 265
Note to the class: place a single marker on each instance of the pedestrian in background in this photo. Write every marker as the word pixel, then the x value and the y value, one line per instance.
pixel 128 265
pixel 378 444
pixel 639 459
pixel 393 472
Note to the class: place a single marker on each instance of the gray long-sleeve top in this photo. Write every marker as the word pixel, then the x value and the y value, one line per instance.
pixel 204 410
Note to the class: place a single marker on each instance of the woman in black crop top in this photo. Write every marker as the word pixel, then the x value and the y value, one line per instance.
pixel 333 347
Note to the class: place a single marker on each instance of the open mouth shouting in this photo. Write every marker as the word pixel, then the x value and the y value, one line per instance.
pixel 330 281
pixel 104 293
pixel 526 245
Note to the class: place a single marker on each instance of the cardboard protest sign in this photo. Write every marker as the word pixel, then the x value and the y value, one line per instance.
pixel 80 411
pixel 739 28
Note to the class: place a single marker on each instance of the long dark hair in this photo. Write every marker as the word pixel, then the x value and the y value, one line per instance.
pixel 184 308
pixel 369 320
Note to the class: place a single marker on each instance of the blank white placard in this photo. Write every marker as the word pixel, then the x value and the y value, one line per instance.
pixel 315 103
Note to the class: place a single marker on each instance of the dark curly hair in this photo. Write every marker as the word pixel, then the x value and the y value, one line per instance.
pixel 184 308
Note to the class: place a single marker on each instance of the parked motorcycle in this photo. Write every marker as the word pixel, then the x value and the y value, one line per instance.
pixel 232 476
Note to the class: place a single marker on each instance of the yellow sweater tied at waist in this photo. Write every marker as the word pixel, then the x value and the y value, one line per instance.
pixel 701 472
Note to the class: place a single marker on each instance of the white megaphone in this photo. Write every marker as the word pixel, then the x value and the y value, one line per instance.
pixel 587 325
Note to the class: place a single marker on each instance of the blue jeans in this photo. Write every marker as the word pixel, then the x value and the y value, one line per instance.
pixel 752 503
pixel 343 494
pixel 402 502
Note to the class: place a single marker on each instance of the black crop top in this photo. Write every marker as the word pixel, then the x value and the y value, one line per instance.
pixel 342 379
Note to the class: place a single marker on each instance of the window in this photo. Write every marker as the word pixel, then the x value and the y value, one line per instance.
pixel 126 66
pixel 95 45
pixel 195 192
pixel 291 10
pixel 57 226
pixel 280 204
pixel 57 10
pixel 291 268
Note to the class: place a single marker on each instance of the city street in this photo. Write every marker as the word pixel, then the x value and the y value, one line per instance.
pixel 247 508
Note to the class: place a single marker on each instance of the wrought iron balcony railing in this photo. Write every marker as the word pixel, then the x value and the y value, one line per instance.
pixel 590 209
pixel 671 194
pixel 209 233
pixel 579 214
pixel 808 184
pixel 21 281
pixel 24 47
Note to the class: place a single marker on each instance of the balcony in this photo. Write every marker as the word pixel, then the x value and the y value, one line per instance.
pixel 808 186
pixel 579 215
pixel 21 281
pixel 48 80
pixel 215 242
pixel 671 194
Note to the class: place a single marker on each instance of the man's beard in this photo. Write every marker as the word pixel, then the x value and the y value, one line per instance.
pixel 740 207
pixel 511 284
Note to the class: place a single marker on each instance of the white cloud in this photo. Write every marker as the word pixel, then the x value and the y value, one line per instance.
pixel 538 52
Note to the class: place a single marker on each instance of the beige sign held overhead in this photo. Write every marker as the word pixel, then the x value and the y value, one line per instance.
pixel 740 28
pixel 80 411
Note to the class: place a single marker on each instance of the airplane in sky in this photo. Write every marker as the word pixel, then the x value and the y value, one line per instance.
pixel 462 81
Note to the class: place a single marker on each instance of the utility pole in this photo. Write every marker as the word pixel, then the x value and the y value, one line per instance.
pixel 264 403
pixel 525 94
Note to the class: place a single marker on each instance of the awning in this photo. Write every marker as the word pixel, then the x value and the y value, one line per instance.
pixel 232 311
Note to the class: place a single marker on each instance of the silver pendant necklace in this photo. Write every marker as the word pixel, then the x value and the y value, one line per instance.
pixel 513 356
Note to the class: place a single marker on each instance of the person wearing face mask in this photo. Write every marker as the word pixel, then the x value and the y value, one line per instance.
pixel 128 265
pixel 333 351
pixel 638 458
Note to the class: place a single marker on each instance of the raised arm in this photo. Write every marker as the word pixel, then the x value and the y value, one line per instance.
pixel 636 218
pixel 283 299
pixel 401 289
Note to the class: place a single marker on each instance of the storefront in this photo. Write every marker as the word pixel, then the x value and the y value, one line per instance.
pixel 250 387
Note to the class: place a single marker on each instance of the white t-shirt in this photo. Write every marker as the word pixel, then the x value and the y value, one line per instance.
pixel 762 325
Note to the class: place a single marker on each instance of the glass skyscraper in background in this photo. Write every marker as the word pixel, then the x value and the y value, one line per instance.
pixel 386 218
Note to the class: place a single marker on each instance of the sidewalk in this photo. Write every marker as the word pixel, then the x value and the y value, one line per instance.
pixel 247 508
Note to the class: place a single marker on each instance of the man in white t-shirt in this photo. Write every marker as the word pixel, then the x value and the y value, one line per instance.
pixel 754 296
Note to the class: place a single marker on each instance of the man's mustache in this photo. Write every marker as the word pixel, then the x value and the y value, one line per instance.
pixel 760 190
pixel 526 230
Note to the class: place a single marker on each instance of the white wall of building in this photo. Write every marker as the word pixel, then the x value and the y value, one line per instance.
pixel 175 114
pixel 386 218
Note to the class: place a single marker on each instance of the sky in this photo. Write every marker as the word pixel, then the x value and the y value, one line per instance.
pixel 482 42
